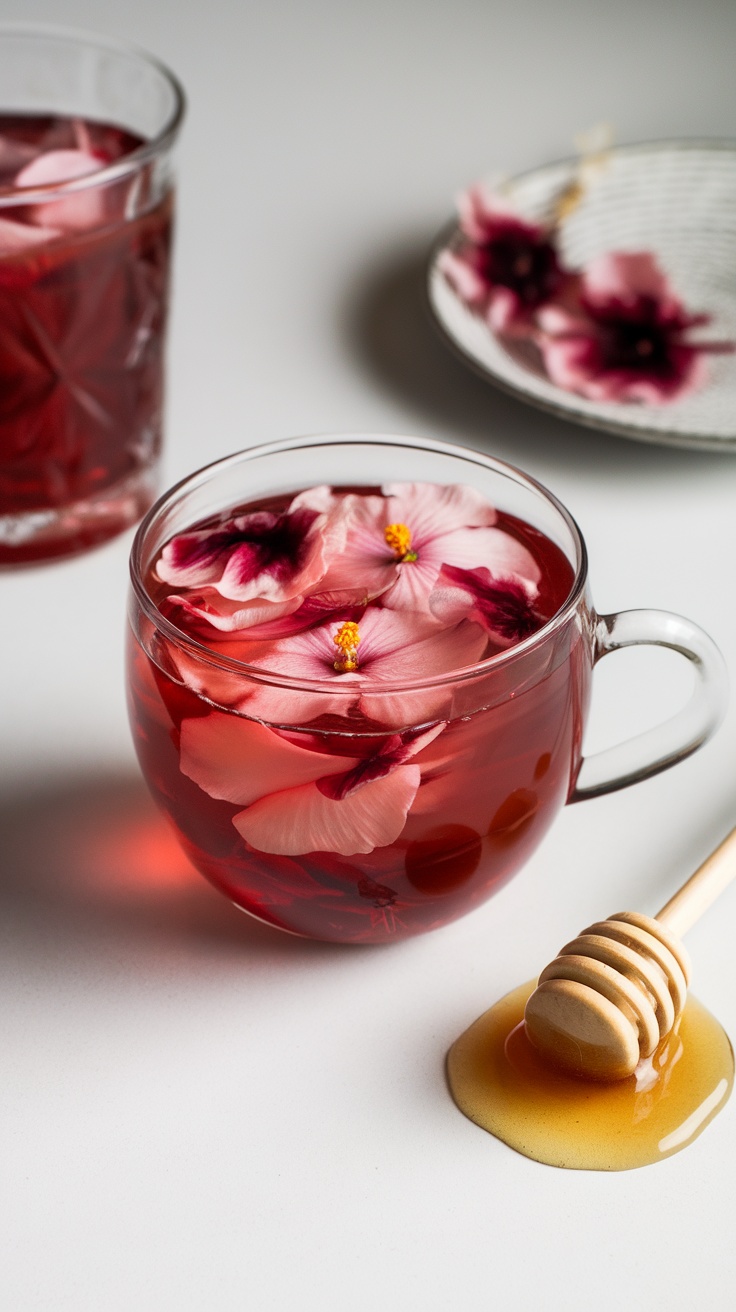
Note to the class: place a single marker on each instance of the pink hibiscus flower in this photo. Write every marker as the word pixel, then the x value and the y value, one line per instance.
pixel 503 607
pixel 296 800
pixel 398 543
pixel 627 337
pixel 504 266
pixel 362 659
pixel 264 560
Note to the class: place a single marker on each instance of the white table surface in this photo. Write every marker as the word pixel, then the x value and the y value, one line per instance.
pixel 199 1112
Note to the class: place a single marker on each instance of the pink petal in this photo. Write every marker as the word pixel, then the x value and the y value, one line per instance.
pixel 239 760
pixel 480 209
pixel 620 385
pixel 445 650
pixel 55 166
pixel 502 606
pixel 572 362
pixel 558 320
pixel 260 555
pixel 15 237
pixel 624 275
pixel 78 210
pixel 312 655
pixel 442 652
pixel 315 609
pixel 218 686
pixel 394 647
pixel 243 580
pixel 393 752
pixel 227 617
pixel 506 313
pixel 463 277
pixel 411 590
pixel 466 549
pixel 303 820
pixel 366 566
pixel 430 509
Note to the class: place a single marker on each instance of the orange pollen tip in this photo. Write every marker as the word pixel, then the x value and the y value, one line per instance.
pixel 398 538
pixel 346 640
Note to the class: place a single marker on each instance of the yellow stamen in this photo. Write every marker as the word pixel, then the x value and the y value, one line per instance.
pixel 346 640
pixel 398 537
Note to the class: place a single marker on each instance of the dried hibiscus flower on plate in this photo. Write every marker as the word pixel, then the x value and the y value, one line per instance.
pixel 504 266
pixel 614 330
pixel 628 338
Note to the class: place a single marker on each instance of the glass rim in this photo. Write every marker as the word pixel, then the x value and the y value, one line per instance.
pixel 129 163
pixel 463 674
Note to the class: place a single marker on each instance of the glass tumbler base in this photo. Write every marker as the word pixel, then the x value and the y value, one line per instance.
pixel 34 536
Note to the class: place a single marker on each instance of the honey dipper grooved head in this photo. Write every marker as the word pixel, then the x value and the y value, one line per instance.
pixel 609 998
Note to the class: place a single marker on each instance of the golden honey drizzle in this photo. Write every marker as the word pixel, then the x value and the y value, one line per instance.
pixel 499 1081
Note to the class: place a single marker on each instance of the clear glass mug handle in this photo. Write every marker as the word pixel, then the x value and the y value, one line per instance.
pixel 666 744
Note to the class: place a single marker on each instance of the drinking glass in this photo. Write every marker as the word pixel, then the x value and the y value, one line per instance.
pixel 502 750
pixel 87 129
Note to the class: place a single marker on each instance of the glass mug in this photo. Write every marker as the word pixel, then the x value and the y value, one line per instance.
pixel 473 763
pixel 87 129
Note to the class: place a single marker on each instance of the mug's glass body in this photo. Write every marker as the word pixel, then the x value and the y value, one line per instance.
pixel 87 130
pixel 492 777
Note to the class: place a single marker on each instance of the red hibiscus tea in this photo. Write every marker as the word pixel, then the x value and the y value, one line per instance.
pixel 85 234
pixel 341 699
pixel 362 704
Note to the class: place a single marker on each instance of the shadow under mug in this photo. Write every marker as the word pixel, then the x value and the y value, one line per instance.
pixel 508 755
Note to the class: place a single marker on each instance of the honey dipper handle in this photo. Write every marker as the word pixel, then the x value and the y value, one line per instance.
pixel 701 890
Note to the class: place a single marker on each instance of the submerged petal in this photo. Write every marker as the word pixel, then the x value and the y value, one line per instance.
pixel 393 752
pixel 304 820
pixel 15 237
pixel 54 166
pixel 76 211
pixel 240 761
pixel 199 616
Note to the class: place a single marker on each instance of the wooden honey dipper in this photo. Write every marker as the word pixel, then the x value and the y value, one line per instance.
pixel 612 995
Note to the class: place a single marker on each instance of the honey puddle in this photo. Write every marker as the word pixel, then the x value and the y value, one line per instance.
pixel 499 1081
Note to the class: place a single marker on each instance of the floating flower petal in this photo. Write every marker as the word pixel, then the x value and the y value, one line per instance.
pixel 261 555
pixel 298 800
pixel 393 648
pixel 502 606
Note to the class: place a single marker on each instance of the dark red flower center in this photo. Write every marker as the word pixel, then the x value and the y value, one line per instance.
pixel 262 542
pixel 517 258
pixel 637 337
pixel 501 605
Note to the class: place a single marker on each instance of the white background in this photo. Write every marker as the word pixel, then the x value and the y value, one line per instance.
pixel 198 1112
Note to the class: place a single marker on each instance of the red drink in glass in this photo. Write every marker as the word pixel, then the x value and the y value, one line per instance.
pixel 361 706
pixel 85 236
pixel 491 783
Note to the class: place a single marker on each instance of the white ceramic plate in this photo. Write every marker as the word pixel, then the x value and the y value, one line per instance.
pixel 676 199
